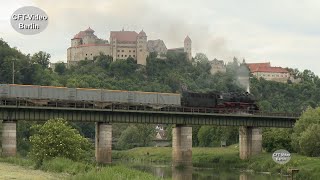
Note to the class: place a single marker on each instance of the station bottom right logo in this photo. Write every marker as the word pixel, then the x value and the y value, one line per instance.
pixel 281 156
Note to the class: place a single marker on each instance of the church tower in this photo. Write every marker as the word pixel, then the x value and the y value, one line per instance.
pixel 187 47
pixel 142 48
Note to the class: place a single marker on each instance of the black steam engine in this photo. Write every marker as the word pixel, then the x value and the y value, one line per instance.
pixel 220 102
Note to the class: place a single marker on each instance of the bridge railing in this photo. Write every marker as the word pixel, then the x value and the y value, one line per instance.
pixel 93 105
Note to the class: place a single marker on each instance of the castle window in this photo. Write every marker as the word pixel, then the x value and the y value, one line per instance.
pixel 122 51
pixel 118 55
pixel 134 55
pixel 129 55
pixel 134 50
pixel 125 55
pixel 129 50
pixel 140 50
pixel 118 50
pixel 86 54
pixel 91 54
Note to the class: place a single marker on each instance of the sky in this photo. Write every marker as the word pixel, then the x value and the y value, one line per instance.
pixel 283 32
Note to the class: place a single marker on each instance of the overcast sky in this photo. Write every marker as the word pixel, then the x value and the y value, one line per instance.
pixel 283 32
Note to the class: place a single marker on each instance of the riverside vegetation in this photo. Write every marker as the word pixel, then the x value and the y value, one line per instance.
pixel 168 76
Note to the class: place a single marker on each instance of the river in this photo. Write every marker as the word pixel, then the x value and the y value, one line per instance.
pixel 196 173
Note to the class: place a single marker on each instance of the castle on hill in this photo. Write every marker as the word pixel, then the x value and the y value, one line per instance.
pixel 121 45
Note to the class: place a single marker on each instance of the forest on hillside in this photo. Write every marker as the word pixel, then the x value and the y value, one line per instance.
pixel 159 75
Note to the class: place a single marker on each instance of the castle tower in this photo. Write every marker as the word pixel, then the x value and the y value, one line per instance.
pixel 142 48
pixel 187 47
pixel 88 37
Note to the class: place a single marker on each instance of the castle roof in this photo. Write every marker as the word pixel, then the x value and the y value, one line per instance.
pixel 79 35
pixel 89 30
pixel 142 33
pixel 86 45
pixel 187 39
pixel 153 44
pixel 265 67
pixel 124 35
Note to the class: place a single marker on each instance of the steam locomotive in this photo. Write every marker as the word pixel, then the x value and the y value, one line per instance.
pixel 221 102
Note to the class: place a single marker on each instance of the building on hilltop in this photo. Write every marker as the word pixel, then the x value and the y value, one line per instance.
pixel 217 66
pixel 157 46
pixel 86 45
pixel 123 44
pixel 266 71
pixel 187 48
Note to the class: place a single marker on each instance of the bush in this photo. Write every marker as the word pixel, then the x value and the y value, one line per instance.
pixel 274 139
pixel 56 138
pixel 305 135
pixel 309 141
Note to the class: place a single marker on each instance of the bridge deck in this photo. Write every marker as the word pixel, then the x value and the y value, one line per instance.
pixel 145 114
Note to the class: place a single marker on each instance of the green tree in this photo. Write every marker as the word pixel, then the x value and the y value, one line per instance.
pixel 146 134
pixel 303 132
pixel 56 138
pixel 309 141
pixel 129 138
pixel 41 58
pixel 275 138
pixel 60 68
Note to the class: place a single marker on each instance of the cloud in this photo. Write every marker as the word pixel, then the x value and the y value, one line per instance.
pixel 286 33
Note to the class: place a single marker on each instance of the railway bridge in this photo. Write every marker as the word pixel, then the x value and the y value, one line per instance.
pixel 250 135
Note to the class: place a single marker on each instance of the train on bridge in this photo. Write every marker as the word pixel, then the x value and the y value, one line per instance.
pixel 33 95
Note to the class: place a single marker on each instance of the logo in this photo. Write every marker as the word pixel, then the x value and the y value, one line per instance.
pixel 281 156
pixel 29 20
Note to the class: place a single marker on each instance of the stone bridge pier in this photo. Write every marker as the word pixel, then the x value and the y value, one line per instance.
pixel 103 143
pixel 182 145
pixel 9 138
pixel 250 141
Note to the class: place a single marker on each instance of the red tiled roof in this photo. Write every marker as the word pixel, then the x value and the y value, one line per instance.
pixel 265 67
pixel 79 35
pixel 124 35
pixel 84 45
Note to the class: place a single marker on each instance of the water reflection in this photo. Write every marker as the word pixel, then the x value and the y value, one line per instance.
pixel 168 171
pixel 182 173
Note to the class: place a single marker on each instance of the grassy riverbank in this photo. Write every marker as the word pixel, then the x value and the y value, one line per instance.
pixel 62 168
pixel 208 157
pixel 309 167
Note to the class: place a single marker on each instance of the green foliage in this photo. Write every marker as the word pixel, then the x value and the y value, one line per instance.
pixel 136 135
pixel 129 138
pixel 23 134
pixel 41 58
pixel 18 161
pixel 309 168
pixel 56 138
pixel 201 156
pixel 60 68
pixel 275 139
pixel 115 172
pixel 309 141
pixel 303 134
pixel 210 136
pixel 64 165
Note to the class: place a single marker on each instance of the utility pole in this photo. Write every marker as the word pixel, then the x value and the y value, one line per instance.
pixel 13 71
